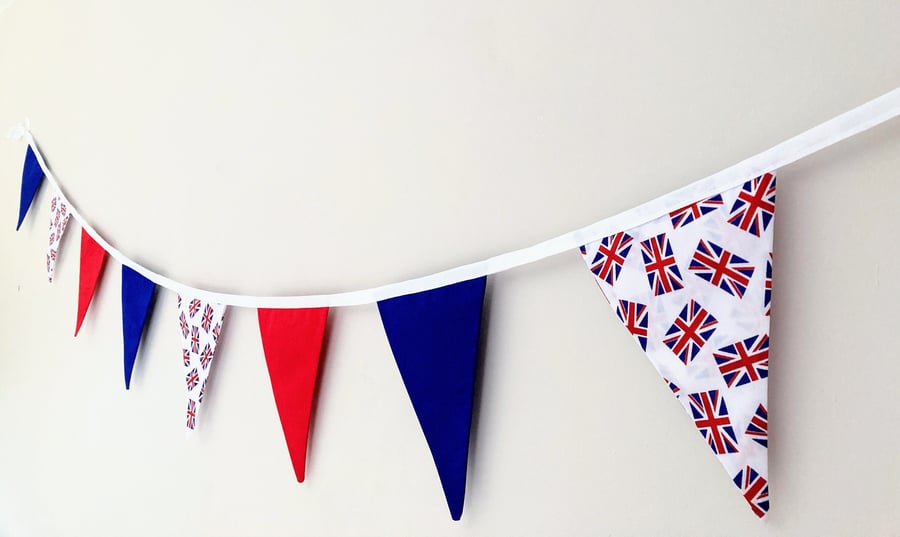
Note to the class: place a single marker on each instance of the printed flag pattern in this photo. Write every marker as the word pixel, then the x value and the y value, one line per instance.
pixel 755 489
pixel 718 266
pixel 758 430
pixel 711 418
pixel 744 361
pixel 659 262
pixel 693 211
pixel 754 208
pixel 199 325
pixel 59 219
pixel 690 331
pixel 634 316
pixel 696 296
pixel 609 255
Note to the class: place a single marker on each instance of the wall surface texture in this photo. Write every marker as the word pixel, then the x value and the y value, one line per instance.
pixel 278 147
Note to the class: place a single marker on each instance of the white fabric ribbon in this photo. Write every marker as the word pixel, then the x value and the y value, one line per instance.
pixel 853 122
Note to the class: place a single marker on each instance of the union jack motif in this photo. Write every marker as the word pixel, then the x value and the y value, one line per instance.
pixel 194 307
pixel 195 339
pixel 689 213
pixel 610 256
pixel 634 315
pixel 659 262
pixel 674 387
pixel 185 328
pixel 690 331
pixel 718 266
pixel 202 391
pixel 206 321
pixel 744 361
pixel 711 418
pixel 192 379
pixel 191 414
pixel 216 331
pixel 767 297
pixel 755 489
pixel 186 356
pixel 206 356
pixel 758 429
pixel 754 208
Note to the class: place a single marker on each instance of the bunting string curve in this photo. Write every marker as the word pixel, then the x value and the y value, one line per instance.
pixel 830 132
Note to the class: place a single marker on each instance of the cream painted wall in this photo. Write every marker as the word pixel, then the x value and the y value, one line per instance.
pixel 284 148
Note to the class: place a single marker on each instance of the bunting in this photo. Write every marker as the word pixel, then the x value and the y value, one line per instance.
pixel 696 300
pixel 200 323
pixel 137 297
pixel 93 258
pixel 434 337
pixel 292 343
pixel 59 219
pixel 689 275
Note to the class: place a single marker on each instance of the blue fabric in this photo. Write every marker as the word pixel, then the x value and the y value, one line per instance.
pixel 434 338
pixel 32 175
pixel 137 297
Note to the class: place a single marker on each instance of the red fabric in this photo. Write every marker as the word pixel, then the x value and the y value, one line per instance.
pixel 292 342
pixel 93 257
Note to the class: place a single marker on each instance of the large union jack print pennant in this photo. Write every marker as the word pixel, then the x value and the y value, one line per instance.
pixel 199 324
pixel 696 295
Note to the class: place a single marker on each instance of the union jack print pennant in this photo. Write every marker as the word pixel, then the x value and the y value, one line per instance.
pixel 696 294
pixel 59 219
pixel 200 324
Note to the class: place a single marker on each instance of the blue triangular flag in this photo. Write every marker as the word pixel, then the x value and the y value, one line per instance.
pixel 137 296
pixel 32 175
pixel 434 338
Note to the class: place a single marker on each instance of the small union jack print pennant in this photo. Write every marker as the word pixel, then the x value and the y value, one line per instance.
pixel 196 321
pixel 59 219
pixel 695 292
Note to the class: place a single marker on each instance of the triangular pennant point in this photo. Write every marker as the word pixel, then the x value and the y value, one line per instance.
pixel 434 337
pixel 137 297
pixel 32 175
pixel 93 257
pixel 694 289
pixel 292 343
pixel 201 325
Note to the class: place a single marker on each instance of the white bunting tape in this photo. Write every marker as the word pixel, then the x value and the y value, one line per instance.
pixel 832 131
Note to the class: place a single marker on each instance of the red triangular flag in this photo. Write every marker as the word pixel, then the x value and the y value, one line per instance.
pixel 292 343
pixel 93 257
